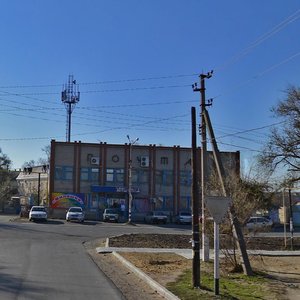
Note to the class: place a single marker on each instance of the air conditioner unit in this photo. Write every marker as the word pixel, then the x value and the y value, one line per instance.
pixel 144 161
pixel 95 160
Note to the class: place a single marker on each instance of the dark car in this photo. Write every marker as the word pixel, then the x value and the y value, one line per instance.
pixel 156 217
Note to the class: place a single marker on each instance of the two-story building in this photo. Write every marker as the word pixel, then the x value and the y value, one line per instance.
pixel 96 176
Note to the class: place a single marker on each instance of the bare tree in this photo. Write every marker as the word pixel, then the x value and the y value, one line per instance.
pixel 283 146
pixel 5 162
pixel 248 195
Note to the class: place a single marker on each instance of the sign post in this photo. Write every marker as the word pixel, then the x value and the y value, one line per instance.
pixel 217 207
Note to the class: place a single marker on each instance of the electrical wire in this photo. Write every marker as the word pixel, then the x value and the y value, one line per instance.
pixel 293 17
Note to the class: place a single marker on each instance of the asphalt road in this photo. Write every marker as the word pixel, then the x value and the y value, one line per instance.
pixel 49 260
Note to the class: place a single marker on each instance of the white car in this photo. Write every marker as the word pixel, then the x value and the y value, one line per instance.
pixel 111 215
pixel 259 222
pixel 75 214
pixel 38 213
pixel 184 217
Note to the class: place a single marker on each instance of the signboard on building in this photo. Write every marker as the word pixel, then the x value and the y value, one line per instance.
pixel 66 200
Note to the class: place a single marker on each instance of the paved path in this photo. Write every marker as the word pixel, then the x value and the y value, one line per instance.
pixel 188 253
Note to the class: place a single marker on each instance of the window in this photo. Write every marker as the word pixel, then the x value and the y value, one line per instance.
pixel 119 175
pixel 134 176
pixel 59 173
pixel 159 177
pixel 89 174
pixel 84 174
pixel 143 176
pixel 115 175
pixel 109 175
pixel 164 160
pixel 185 178
pixel 68 173
pixel 168 177
pixel 95 174
pixel 63 173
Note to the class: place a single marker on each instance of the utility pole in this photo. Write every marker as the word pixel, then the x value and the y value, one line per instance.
pixel 131 143
pixel 39 187
pixel 237 231
pixel 203 105
pixel 291 220
pixel 195 204
pixel 70 97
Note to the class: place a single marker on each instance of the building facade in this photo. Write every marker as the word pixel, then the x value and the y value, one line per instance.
pixel 96 176
pixel 33 185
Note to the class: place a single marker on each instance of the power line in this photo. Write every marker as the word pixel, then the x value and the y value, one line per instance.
pixel 102 82
pixel 293 17
pixel 234 88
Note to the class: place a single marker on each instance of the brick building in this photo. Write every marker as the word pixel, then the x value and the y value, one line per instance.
pixel 96 176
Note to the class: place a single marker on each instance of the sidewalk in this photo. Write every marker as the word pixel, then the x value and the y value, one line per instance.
pixel 188 253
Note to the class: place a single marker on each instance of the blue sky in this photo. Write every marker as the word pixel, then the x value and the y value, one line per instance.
pixel 135 62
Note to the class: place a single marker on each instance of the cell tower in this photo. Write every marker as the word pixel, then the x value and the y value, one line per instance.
pixel 70 97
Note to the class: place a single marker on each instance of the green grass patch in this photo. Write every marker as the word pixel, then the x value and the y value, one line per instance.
pixel 233 286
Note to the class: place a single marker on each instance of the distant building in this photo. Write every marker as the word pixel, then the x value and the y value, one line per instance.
pixel 95 176
pixel 33 185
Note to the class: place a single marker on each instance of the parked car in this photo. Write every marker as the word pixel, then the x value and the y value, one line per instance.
pixel 184 217
pixel 75 213
pixel 111 215
pixel 38 213
pixel 156 217
pixel 259 222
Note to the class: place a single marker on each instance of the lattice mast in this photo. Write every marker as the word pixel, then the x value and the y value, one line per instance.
pixel 70 97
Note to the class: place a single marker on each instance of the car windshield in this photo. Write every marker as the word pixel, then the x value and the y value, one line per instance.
pixel 38 209
pixel 110 211
pixel 75 209
pixel 185 214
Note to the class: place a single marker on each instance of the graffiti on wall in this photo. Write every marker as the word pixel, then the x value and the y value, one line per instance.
pixel 66 200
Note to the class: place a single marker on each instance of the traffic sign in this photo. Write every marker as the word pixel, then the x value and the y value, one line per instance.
pixel 217 207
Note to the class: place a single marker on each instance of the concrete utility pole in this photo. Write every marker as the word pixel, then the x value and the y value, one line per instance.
pixel 203 105
pixel 131 143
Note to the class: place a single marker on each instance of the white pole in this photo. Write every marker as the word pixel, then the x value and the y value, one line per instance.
pixel 216 258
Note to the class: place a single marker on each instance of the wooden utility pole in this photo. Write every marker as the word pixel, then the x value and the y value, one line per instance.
pixel 195 204
pixel 237 231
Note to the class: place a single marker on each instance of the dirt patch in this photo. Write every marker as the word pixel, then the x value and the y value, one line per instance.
pixel 182 241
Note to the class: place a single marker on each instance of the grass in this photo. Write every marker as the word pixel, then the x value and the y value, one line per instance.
pixel 234 286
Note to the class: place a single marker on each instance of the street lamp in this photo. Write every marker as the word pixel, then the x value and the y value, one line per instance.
pixel 131 143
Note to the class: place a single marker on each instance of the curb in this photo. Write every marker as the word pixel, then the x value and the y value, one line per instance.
pixel 155 285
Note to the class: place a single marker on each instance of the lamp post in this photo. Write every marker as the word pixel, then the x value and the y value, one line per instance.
pixel 131 143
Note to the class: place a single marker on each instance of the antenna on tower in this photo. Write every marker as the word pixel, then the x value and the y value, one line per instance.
pixel 70 97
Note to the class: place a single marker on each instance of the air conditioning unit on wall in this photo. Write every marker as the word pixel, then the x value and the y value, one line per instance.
pixel 144 161
pixel 95 160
